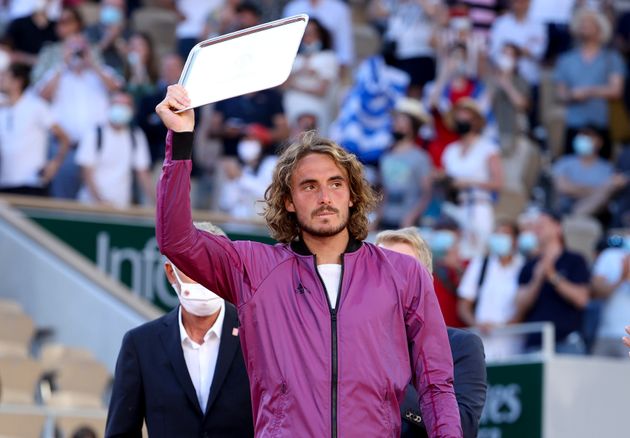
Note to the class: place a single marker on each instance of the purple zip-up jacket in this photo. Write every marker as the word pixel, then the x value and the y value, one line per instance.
pixel 318 371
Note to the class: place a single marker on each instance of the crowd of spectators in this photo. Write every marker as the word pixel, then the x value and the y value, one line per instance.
pixel 442 116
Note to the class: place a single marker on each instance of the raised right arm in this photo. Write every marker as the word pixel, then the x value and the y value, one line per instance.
pixel 208 259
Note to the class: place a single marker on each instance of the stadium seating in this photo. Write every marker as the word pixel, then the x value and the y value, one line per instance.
pixel 16 332
pixel 19 377
pixel 21 425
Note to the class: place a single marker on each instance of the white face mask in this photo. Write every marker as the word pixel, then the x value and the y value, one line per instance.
pixel 249 150
pixel 5 60
pixel 506 63
pixel 195 298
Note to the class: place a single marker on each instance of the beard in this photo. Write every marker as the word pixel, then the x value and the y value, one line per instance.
pixel 322 230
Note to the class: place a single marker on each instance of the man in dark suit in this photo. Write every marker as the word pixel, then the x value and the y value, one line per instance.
pixel 183 373
pixel 469 368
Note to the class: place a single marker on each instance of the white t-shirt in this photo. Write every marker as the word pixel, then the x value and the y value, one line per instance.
pixel 24 130
pixel 113 163
pixel 528 34
pixel 471 165
pixel 80 102
pixel 336 18
pixel 331 276
pixel 196 13
pixel 496 297
pixel 240 197
pixel 616 312
pixel 201 360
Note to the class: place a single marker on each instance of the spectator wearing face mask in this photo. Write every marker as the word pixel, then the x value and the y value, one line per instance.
pixel 510 98
pixel 448 268
pixel 78 90
pixel 455 82
pixel 455 28
pixel 314 79
pixel 110 34
pixel 487 292
pixel 527 241
pixel 405 170
pixel 588 77
pixel 473 166
pixel 140 67
pixel 336 16
pixel 247 179
pixel 111 155
pixel 554 287
pixel 202 388
pixel 529 35
pixel 583 181
pixel 233 118
pixel 611 282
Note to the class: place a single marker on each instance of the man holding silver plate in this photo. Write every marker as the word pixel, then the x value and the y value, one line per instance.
pixel 332 328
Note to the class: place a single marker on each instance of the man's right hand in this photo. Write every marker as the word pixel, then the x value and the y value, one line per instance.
pixel 176 99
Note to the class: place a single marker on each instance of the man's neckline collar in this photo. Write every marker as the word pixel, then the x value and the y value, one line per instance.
pixel 300 247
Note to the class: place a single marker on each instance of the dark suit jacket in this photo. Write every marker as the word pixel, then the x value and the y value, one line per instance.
pixel 470 386
pixel 152 383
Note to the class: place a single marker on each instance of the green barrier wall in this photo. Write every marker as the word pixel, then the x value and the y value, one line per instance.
pixel 514 404
pixel 124 248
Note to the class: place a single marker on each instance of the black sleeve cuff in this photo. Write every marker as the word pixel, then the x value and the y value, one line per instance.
pixel 182 145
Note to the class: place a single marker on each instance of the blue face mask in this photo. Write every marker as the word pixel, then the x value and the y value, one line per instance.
pixel 441 242
pixel 111 16
pixel 120 114
pixel 626 243
pixel 310 48
pixel 527 242
pixel 583 145
pixel 500 244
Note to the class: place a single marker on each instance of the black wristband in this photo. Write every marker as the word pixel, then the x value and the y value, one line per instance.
pixel 182 145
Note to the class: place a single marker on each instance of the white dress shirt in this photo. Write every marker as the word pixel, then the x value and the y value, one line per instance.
pixel 528 34
pixel 201 360
pixel 24 132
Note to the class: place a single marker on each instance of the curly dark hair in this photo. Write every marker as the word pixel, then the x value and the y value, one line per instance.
pixel 282 223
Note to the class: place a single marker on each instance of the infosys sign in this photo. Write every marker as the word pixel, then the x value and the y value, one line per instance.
pixel 124 248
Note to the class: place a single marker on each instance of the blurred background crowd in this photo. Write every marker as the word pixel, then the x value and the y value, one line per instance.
pixel 498 127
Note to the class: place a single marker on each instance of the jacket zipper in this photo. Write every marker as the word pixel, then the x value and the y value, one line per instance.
pixel 333 334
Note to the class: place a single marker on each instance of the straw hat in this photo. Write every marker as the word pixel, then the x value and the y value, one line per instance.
pixel 471 105
pixel 413 108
